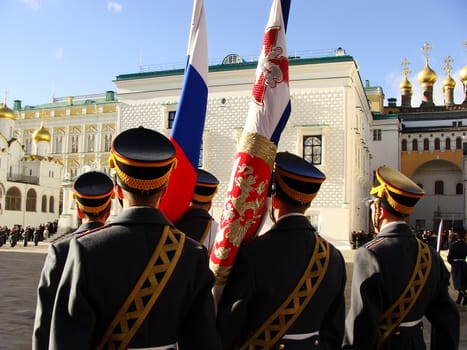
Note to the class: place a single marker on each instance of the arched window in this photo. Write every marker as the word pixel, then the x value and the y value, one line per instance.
pixel 51 204
pixel 447 144
pixel 13 199
pixel 426 144
pixel 459 188
pixel 439 187
pixel 415 145
pixel 437 144
pixel 31 198
pixel 44 204
pixel 404 145
pixel 459 143
pixel 312 149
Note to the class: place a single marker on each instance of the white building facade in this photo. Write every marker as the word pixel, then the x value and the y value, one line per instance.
pixel 329 123
pixel 81 130
pixel 29 183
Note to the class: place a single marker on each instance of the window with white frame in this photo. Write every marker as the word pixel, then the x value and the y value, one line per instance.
pixel 312 148
pixel 170 119
pixel 311 144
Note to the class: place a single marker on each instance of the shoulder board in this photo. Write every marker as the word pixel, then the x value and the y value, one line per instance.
pixel 374 242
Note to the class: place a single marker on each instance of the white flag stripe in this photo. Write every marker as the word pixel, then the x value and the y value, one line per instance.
pixel 198 45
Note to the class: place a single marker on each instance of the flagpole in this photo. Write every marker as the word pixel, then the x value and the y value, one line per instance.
pixel 188 127
pixel 440 236
pixel 269 109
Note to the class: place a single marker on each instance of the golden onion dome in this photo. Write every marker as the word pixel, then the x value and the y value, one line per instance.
pixel 406 84
pixel 463 74
pixel 449 82
pixel 41 134
pixel 427 75
pixel 6 113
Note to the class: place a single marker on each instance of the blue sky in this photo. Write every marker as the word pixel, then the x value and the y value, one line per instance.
pixel 65 47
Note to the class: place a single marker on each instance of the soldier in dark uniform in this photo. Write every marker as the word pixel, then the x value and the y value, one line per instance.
pixel 93 193
pixel 456 257
pixel 197 223
pixel 267 294
pixel 138 282
pixel 398 279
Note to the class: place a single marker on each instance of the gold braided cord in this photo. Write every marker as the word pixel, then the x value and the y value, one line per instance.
pixel 381 191
pixel 202 199
pixel 92 209
pixel 393 316
pixel 283 318
pixel 220 271
pixel 296 195
pixel 141 184
pixel 258 146
pixel 80 195
pixel 146 291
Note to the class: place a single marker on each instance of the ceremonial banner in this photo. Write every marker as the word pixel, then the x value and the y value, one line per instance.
pixel 269 110
pixel 187 131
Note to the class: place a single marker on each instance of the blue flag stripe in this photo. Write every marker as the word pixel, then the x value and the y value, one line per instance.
pixel 191 114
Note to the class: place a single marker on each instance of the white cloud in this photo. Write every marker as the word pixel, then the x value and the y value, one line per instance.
pixel 114 6
pixel 34 4
pixel 59 53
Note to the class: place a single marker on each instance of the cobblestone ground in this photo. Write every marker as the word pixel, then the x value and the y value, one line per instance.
pixel 20 269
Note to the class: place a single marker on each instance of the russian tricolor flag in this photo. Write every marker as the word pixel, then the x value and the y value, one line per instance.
pixel 268 113
pixel 187 132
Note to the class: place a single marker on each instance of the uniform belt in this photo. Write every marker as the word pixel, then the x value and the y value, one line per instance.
pixel 410 323
pixel 300 336
pixel 163 347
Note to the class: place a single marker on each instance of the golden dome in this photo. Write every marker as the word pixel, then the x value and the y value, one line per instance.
pixel 41 134
pixel 463 74
pixel 406 84
pixel 6 113
pixel 427 75
pixel 449 82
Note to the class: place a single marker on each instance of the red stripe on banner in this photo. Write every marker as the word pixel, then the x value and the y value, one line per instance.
pixel 180 188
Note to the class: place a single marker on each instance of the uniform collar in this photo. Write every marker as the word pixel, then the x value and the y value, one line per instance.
pixel 396 228
pixel 144 215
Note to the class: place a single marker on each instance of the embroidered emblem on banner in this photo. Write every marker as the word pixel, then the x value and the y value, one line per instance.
pixel 273 65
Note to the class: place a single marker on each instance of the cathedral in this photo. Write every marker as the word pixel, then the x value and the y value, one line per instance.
pixel 30 193
pixel 432 142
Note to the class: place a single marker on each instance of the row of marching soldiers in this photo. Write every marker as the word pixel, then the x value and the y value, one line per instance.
pixel 27 234
pixel 141 281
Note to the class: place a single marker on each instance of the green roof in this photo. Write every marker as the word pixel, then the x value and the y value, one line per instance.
pixel 78 101
pixel 379 116
pixel 293 61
